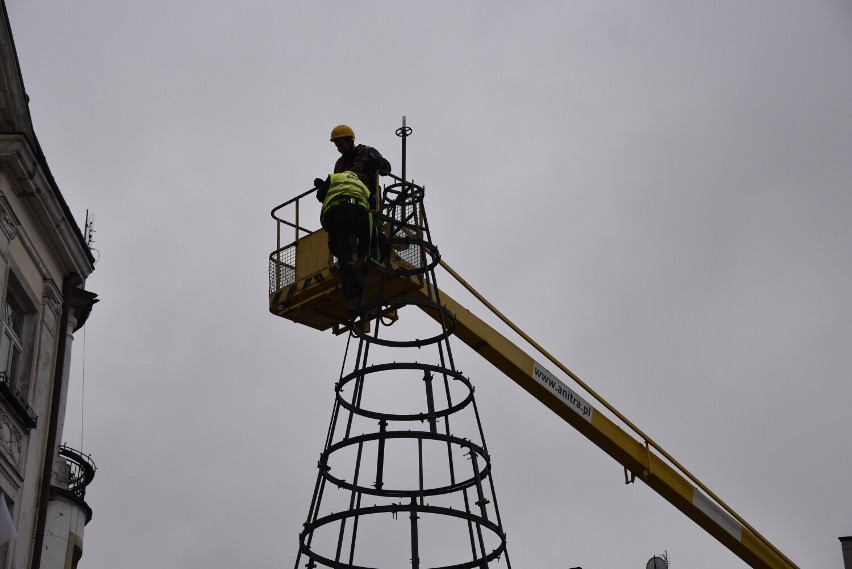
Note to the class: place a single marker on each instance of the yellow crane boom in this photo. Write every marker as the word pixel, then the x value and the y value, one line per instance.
pixel 638 457
pixel 304 289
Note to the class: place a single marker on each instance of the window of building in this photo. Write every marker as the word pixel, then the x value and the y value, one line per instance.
pixel 11 343
pixel 76 554
pixel 16 344
pixel 4 548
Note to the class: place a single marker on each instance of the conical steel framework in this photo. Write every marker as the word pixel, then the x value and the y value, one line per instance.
pixel 404 478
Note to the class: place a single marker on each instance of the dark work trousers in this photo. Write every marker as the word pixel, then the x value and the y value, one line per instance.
pixel 348 227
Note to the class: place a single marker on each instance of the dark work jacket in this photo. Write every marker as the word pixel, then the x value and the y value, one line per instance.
pixel 365 161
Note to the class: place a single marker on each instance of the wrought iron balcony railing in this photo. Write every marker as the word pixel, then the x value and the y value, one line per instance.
pixel 18 402
pixel 82 470
pixel 79 474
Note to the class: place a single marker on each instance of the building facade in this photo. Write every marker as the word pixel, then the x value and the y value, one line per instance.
pixel 44 263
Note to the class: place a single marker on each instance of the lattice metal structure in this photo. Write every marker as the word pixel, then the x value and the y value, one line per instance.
pixel 404 478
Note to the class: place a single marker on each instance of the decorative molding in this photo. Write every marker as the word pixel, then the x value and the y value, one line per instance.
pixel 51 297
pixel 11 439
pixel 9 224
pixel 29 247
pixel 30 178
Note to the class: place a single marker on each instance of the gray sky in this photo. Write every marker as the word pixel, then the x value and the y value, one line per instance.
pixel 657 192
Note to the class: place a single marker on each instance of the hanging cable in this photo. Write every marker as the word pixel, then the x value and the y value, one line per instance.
pixel 83 394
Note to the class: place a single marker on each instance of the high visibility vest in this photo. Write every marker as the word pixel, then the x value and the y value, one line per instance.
pixel 345 185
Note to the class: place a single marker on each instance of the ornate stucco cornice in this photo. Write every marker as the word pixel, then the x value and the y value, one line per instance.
pixel 22 159
pixel 8 222
pixel 32 182
pixel 11 440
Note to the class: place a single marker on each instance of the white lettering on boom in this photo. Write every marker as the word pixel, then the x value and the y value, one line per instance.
pixel 717 514
pixel 567 395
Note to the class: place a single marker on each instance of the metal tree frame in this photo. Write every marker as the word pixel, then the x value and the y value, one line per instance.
pixel 395 447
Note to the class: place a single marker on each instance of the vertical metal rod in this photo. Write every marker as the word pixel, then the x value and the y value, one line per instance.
pixel 404 137
pixel 451 462
pixel 352 499
pixel 415 546
pixel 470 535
pixel 430 401
pixel 313 514
pixel 356 400
pixel 297 220
pixel 278 253
pixel 335 412
pixel 354 530
pixel 497 514
pixel 359 382
pixel 420 463
pixel 380 460
pixel 481 502
pixel 437 297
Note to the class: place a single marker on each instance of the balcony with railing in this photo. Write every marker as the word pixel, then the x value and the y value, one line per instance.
pixel 17 402
pixel 74 476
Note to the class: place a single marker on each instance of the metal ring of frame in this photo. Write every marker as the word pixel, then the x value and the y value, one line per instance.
pixel 396 509
pixel 407 193
pixel 395 224
pixel 400 493
pixel 438 370
pixel 445 333
pixel 432 254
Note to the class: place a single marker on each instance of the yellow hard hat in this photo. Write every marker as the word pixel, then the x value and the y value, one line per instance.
pixel 341 131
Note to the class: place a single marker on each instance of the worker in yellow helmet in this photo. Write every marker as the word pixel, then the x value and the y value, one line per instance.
pixel 365 161
pixel 347 218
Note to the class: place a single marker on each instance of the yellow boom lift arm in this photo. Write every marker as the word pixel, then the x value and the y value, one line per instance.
pixel 667 477
pixel 303 288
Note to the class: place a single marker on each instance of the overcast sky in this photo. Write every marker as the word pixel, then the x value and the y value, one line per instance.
pixel 658 192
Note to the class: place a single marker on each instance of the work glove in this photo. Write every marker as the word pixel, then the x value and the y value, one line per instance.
pixel 322 187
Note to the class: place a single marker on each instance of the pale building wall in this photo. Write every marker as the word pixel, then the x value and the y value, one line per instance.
pixel 22 451
pixel 40 245
pixel 64 533
pixel 26 266
pixel 48 267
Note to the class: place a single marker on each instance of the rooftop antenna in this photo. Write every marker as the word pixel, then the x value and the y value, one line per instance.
pixel 89 235
pixel 89 230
